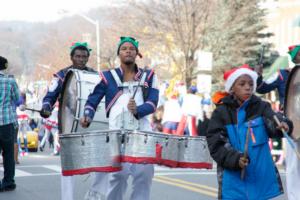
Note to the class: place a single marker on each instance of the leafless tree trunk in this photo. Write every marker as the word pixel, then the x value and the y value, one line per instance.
pixel 179 27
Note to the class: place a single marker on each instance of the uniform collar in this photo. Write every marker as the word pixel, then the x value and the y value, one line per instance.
pixel 138 73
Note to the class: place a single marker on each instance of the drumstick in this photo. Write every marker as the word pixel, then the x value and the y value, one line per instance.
pixel 94 121
pixel 144 71
pixel 34 110
pixel 288 138
pixel 243 172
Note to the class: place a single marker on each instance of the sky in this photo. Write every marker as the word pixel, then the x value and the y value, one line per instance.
pixel 45 10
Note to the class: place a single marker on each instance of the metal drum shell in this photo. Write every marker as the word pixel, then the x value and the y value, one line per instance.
pixel 141 147
pixel 95 151
pixel 194 153
pixel 292 100
pixel 170 151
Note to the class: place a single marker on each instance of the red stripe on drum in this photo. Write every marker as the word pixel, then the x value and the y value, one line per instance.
pixel 90 169
pixel 158 151
pixel 140 160
pixel 195 165
pixel 169 163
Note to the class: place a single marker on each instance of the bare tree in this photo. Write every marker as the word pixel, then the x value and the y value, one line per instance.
pixel 178 27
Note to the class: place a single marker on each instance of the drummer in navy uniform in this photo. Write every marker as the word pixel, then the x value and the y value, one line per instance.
pixel 276 81
pixel 279 82
pixel 292 161
pixel 79 56
pixel 128 109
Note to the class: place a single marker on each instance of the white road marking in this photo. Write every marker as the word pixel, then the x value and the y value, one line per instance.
pixel 55 168
pixel 18 172
pixel 21 173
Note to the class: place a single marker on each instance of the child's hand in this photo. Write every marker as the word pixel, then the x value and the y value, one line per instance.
pixel 283 126
pixel 243 162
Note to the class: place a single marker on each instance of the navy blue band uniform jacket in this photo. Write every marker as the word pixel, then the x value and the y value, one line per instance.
pixel 55 88
pixel 277 81
pixel 108 87
pixel 226 139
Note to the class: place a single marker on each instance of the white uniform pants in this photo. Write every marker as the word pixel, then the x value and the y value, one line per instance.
pixel 99 187
pixel 56 142
pixel 67 187
pixel 142 175
pixel 45 137
pixel 293 172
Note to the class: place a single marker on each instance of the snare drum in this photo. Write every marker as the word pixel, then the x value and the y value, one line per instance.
pixel 170 151
pixel 292 100
pixel 77 86
pixel 142 147
pixel 194 153
pixel 95 151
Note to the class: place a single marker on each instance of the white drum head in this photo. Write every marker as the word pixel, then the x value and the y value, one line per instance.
pixel 292 101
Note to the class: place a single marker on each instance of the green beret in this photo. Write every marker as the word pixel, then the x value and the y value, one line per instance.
pixel 293 50
pixel 131 40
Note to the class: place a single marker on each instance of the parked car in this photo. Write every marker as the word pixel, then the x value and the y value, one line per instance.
pixel 32 140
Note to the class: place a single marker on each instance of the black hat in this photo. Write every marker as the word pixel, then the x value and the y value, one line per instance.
pixel 3 63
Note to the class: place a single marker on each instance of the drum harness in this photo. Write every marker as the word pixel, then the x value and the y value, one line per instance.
pixel 120 84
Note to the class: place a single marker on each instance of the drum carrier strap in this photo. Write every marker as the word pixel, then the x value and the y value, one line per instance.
pixel 120 84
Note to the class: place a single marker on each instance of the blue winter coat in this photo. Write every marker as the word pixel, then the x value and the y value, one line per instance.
pixel 226 138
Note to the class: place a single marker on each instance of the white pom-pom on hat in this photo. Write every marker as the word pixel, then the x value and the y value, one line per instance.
pixel 232 75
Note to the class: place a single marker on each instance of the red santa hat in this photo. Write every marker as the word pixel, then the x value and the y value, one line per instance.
pixel 232 75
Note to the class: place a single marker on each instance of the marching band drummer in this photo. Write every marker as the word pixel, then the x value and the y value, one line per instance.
pixel 292 161
pixel 79 56
pixel 279 83
pixel 126 107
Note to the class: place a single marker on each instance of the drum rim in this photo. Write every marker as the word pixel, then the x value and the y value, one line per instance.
pixel 152 133
pixel 70 73
pixel 90 133
pixel 194 137
pixel 164 135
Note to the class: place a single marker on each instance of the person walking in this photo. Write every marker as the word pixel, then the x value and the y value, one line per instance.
pixel 292 161
pixel 9 95
pixel 131 95
pixel 79 55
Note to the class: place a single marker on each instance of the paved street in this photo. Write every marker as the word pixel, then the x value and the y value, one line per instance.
pixel 38 177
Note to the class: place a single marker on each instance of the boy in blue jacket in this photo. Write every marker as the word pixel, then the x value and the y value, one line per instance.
pixel 243 115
